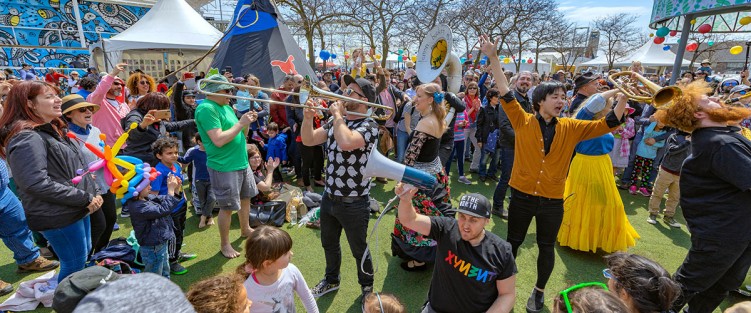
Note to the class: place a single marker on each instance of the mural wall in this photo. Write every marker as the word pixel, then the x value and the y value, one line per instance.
pixel 47 32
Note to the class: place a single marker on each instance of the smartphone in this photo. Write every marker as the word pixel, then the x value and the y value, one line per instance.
pixel 164 115
pixel 189 75
pixel 189 79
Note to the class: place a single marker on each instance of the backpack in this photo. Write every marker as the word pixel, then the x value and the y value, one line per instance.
pixel 490 144
pixel 117 266
pixel 117 249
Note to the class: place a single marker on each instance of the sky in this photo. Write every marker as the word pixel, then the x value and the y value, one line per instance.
pixel 583 12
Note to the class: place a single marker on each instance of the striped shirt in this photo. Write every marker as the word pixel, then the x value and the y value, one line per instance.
pixel 458 130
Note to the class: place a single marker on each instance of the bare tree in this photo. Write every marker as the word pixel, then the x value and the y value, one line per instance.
pixel 568 43
pixel 529 15
pixel 308 15
pixel 543 35
pixel 619 34
pixel 705 51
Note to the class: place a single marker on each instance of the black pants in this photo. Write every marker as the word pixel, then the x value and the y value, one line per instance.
pixel 353 218
pixel 444 152
pixel 178 219
pixel 312 162
pixel 102 222
pixel 711 269
pixel 548 214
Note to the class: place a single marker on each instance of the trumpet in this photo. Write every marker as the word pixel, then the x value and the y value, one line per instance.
pixel 649 92
pixel 307 90
pixel 738 99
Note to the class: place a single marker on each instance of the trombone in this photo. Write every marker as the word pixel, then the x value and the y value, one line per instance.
pixel 307 90
pixel 738 99
pixel 649 92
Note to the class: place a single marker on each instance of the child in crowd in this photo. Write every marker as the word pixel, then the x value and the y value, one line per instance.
pixel 646 153
pixel 458 152
pixel 588 299
pixel 165 150
pixel 201 181
pixel 622 146
pixel 270 277
pixel 382 303
pixel 668 178
pixel 276 147
pixel 220 294
pixel 153 225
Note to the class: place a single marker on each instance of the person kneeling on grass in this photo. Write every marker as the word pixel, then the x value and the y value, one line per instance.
pixel 463 244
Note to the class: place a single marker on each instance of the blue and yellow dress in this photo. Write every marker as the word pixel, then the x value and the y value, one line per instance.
pixel 594 216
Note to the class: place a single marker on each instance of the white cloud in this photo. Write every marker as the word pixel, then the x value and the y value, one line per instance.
pixel 566 8
pixel 585 15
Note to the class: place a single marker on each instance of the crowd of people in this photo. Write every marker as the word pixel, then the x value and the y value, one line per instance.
pixel 557 147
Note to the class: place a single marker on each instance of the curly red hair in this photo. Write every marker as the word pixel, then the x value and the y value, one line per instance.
pixel 681 113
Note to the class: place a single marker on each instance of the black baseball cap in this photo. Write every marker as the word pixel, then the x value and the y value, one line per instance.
pixel 367 87
pixel 474 204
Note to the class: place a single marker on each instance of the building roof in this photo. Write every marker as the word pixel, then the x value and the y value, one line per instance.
pixel 196 4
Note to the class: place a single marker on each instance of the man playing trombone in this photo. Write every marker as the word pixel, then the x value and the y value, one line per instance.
pixel 348 140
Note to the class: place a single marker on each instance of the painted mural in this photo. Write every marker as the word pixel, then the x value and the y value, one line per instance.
pixel 47 32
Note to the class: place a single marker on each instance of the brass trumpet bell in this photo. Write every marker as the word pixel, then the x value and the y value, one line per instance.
pixel 638 88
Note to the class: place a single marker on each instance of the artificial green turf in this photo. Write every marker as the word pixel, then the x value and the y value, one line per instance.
pixel 659 242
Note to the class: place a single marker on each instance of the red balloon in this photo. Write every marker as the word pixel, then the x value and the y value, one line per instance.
pixel 705 28
pixel 692 47
pixel 404 58
pixel 469 56
pixel 673 33
pixel 659 40
pixel 529 61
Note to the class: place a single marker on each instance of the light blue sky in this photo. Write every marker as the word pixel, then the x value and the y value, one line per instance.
pixel 583 12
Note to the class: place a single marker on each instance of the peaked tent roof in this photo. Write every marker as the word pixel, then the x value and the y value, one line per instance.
pixel 170 24
pixel 651 54
pixel 601 60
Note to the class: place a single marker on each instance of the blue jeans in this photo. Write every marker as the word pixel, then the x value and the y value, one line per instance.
pixel 14 230
pixel 156 259
pixel 72 244
pixel 402 140
pixel 457 153
pixel 489 170
pixel 507 163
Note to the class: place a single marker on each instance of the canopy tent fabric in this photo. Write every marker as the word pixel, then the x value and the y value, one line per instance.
pixel 652 54
pixel 601 60
pixel 170 24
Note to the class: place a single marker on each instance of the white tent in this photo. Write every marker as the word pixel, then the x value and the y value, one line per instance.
pixel 542 66
pixel 171 26
pixel 653 55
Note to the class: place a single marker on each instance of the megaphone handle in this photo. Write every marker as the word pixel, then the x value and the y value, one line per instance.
pixel 406 188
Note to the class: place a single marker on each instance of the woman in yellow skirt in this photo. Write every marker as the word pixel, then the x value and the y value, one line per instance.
pixel 593 213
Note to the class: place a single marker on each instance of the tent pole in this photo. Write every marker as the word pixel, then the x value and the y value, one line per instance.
pixel 681 48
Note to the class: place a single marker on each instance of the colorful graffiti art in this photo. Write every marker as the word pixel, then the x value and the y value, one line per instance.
pixel 46 32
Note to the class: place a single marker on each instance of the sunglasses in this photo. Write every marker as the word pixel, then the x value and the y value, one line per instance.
pixel 742 92
pixel 730 84
pixel 117 84
pixel 143 82
pixel 471 88
pixel 2 79
pixel 84 109
pixel 565 293
pixel 348 92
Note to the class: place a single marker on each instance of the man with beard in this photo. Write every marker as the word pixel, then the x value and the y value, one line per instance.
pixel 584 86
pixel 328 79
pixel 490 285
pixel 346 198
pixel 107 95
pixel 522 85
pixel 715 194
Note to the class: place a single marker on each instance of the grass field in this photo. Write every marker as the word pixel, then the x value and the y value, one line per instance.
pixel 658 242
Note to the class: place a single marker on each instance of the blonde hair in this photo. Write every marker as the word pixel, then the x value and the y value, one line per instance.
pixel 430 89
pixel 390 303
pixel 218 294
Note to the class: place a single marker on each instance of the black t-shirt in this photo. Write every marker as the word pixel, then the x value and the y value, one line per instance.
pixel 715 183
pixel 576 102
pixel 344 170
pixel 464 278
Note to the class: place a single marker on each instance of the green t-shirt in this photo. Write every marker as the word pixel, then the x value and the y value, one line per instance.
pixel 233 156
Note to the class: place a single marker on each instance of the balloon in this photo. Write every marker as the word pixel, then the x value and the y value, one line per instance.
pixel 333 55
pixel 659 40
pixel 324 55
pixel 506 60
pixel 692 47
pixel 673 33
pixel 693 22
pixel 745 20
pixel 414 58
pixel 651 35
pixel 666 48
pixel 378 57
pixel 77 179
pixel 704 28
pixel 482 62
pixel 662 31
pixel 529 61
pixel 145 181
pixel 346 56
pixel 399 52
pixel 463 59
pixel 469 56
pixel 404 58
pixel 736 50
pixel 710 43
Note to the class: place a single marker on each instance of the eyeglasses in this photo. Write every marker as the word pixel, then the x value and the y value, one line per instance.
pixel 471 88
pixel 565 293
pixel 701 73
pixel 84 109
pixel 349 91
pixel 117 84
pixel 143 82
pixel 256 157
pixel 730 84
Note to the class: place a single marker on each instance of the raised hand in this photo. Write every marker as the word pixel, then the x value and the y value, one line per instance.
pixel 272 164
pixel 148 119
pixel 488 47
pixel 119 68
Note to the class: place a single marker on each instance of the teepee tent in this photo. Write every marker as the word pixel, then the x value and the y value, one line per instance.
pixel 169 36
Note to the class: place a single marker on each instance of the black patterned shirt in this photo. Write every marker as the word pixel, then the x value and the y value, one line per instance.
pixel 344 169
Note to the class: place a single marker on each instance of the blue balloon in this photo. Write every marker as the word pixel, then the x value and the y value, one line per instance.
pixel 666 48
pixel 333 55
pixel 324 54
pixel 463 59
pixel 482 62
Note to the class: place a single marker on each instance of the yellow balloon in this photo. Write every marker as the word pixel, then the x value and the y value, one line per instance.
pixel 651 35
pixel 736 50
pixel 414 58
pixel 693 22
pixel 378 57
pixel 506 60
pixel 745 20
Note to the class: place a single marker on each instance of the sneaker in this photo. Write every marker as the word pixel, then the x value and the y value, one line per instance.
pixel 186 257
pixel 464 180
pixel 177 269
pixel 40 264
pixel 536 302
pixel 652 219
pixel 365 291
pixel 5 288
pixel 632 190
pixel 644 192
pixel 323 288
pixel 124 213
pixel 670 221
pixel 116 227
